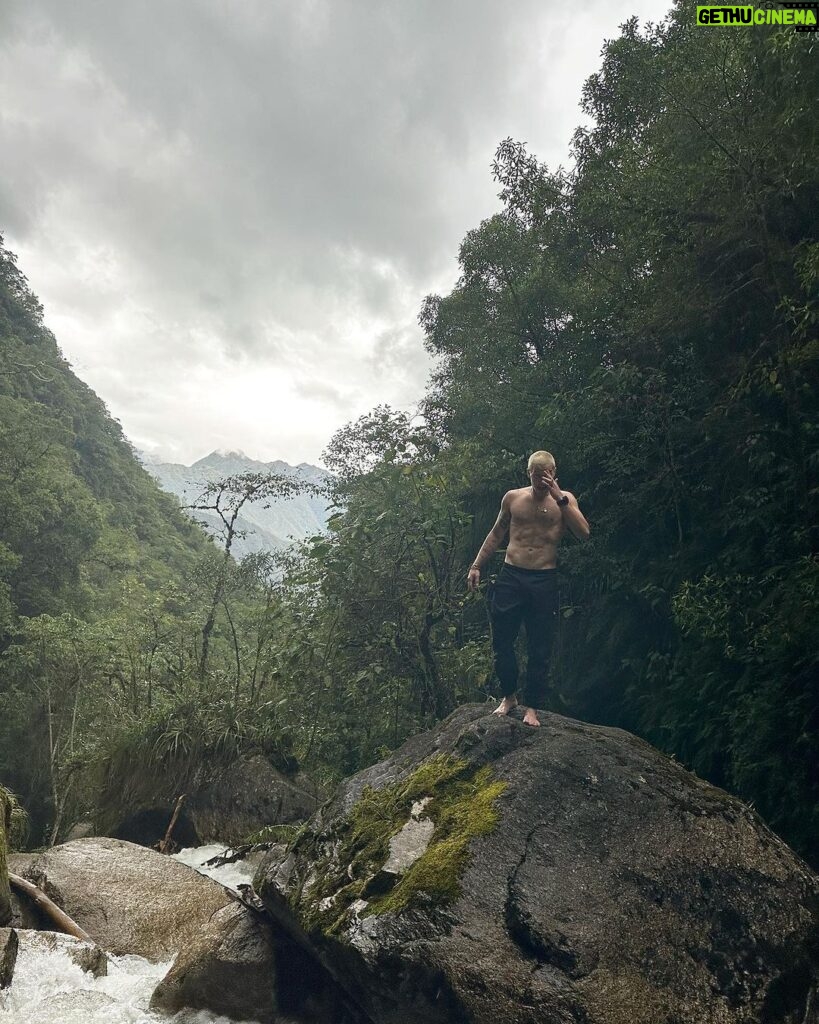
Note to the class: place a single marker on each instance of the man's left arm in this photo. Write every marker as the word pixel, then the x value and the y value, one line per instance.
pixel 574 518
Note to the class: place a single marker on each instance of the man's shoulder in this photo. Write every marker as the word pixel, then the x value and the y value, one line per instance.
pixel 515 494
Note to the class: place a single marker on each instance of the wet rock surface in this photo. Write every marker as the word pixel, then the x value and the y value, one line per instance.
pixel 24 913
pixel 129 899
pixel 9 945
pixel 242 966
pixel 228 968
pixel 601 884
pixel 249 796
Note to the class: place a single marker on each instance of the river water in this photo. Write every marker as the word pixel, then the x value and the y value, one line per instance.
pixel 49 989
pixel 230 875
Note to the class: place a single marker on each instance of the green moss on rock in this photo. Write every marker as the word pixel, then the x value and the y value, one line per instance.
pixel 462 812
pixel 461 804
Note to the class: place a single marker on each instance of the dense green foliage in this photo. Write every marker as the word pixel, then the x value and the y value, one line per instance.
pixel 649 316
pixel 133 654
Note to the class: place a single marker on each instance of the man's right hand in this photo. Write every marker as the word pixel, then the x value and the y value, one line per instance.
pixel 473 578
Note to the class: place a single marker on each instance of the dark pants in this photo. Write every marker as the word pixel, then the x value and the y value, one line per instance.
pixel 527 596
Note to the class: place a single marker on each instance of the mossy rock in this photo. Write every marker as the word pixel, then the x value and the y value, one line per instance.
pixel 460 801
pixel 573 873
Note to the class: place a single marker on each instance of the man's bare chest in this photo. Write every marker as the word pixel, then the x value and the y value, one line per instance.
pixel 531 515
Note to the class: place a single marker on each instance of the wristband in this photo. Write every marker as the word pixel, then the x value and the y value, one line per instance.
pixel 563 500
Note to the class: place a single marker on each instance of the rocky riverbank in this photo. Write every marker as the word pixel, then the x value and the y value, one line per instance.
pixel 219 955
pixel 485 873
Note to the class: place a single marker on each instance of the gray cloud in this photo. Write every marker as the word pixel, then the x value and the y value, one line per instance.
pixel 201 191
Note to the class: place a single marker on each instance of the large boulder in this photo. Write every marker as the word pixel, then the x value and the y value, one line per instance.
pixel 490 872
pixel 228 968
pixel 248 796
pixel 129 899
pixel 242 967
pixel 226 807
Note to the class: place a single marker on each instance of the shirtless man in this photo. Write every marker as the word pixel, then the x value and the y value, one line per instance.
pixel 526 590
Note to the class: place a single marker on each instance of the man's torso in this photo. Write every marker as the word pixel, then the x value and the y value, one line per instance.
pixel 535 530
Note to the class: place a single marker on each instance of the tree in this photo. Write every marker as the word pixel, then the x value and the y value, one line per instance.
pixel 226 498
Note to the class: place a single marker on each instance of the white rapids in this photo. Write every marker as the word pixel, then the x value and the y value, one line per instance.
pixel 230 875
pixel 48 988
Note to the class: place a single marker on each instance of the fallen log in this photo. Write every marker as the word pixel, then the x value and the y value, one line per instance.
pixel 49 907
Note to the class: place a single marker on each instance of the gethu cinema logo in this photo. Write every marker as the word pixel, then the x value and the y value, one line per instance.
pixel 799 17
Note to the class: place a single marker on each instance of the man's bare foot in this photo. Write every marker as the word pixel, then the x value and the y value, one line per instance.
pixel 505 706
pixel 530 717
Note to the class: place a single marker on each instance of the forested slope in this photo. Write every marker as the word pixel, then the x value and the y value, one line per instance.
pixel 105 591
pixel 78 511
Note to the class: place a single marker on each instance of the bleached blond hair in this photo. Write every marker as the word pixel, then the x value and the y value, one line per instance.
pixel 541 459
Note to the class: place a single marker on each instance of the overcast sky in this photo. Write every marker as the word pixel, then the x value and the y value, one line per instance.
pixel 232 209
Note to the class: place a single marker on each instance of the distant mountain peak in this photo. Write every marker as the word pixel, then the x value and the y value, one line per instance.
pixel 267 525
pixel 233 453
